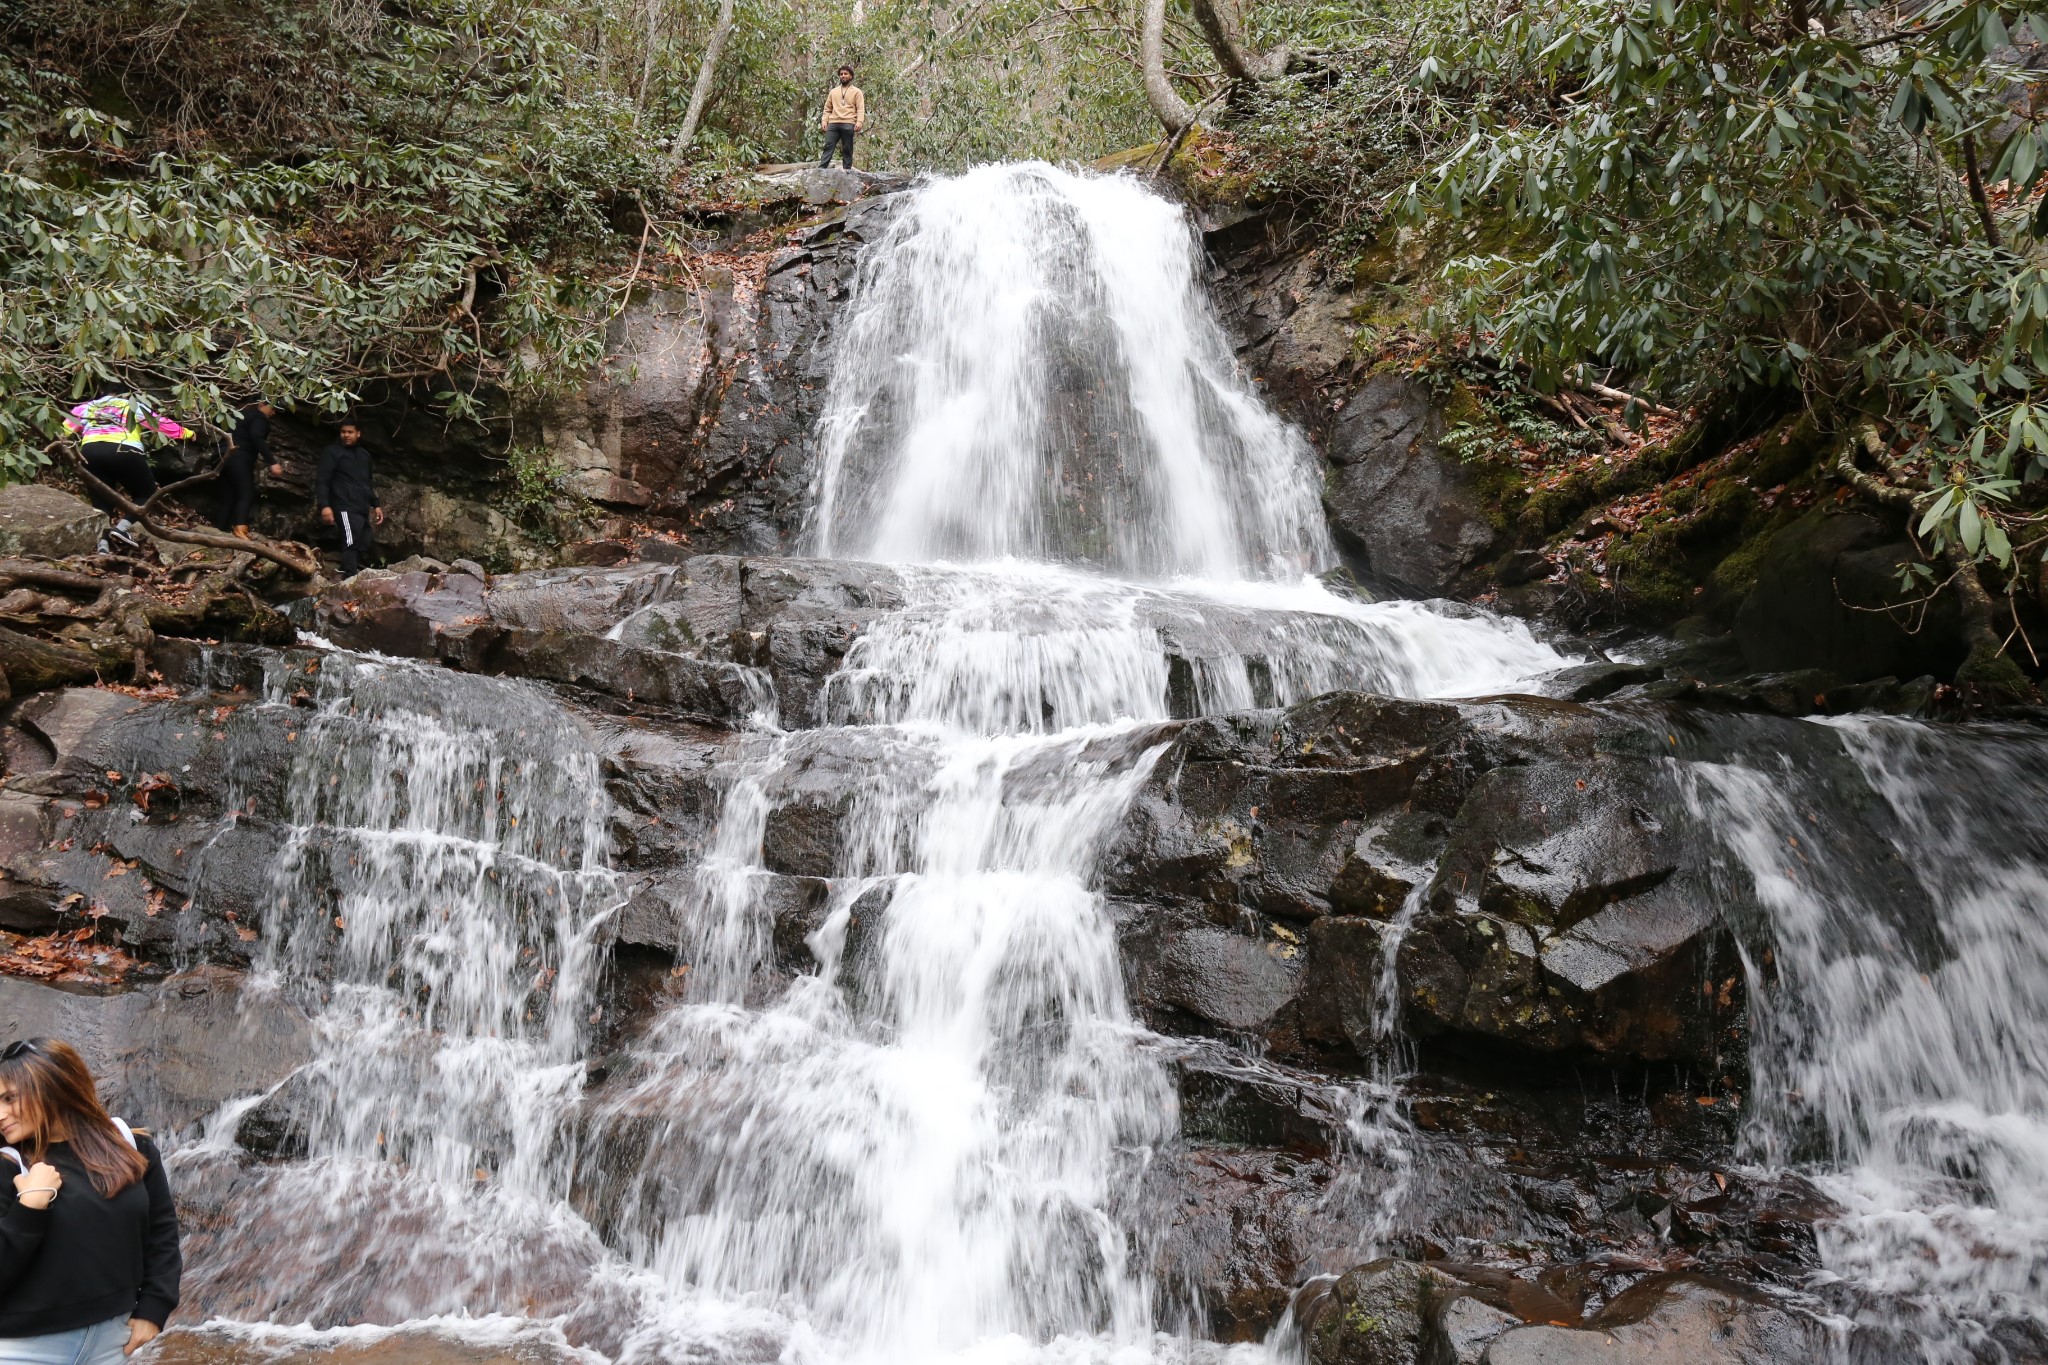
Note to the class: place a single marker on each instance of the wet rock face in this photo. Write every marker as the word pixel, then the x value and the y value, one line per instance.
pixel 1514 850
pixel 1671 1318
pixel 168 1052
pixel 716 636
pixel 704 414
pixel 1376 1314
pixel 1823 585
pixel 1405 511
pixel 1395 1312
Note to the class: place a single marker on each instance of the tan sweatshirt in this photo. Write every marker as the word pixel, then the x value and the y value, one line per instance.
pixel 845 104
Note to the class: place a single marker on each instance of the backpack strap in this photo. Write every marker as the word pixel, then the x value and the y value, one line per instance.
pixel 14 1157
pixel 127 1133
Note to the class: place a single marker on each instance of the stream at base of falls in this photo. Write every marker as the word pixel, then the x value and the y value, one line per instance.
pixel 935 1142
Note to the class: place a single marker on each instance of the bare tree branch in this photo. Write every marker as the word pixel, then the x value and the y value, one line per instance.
pixel 1218 19
pixel 1173 111
pixel 213 540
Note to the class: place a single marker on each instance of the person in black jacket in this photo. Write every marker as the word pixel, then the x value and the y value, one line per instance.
pixel 89 1261
pixel 347 495
pixel 248 446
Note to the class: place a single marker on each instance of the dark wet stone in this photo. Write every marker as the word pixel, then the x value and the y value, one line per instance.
pixel 1377 1314
pixel 1406 512
pixel 1235 1230
pixel 1179 967
pixel 1827 596
pixel 167 1053
pixel 1671 1320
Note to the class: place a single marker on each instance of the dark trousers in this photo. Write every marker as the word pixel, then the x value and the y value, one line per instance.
pixel 358 538
pixel 838 135
pixel 237 491
pixel 122 466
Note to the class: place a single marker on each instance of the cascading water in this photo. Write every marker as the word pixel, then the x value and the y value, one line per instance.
pixel 928 1148
pixel 1902 1040
pixel 1032 373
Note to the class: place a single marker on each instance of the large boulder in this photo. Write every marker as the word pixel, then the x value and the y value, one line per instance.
pixel 1514 850
pixel 1377 1314
pixel 171 1052
pixel 1827 595
pixel 36 519
pixel 1405 510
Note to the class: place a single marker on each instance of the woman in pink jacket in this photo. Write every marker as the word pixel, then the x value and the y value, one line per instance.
pixel 109 430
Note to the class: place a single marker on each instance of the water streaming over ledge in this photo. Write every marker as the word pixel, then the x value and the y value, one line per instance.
pixel 1901 1050
pixel 928 1148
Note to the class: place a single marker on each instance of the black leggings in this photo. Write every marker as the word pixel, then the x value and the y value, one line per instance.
pixel 840 135
pixel 237 491
pixel 358 538
pixel 124 467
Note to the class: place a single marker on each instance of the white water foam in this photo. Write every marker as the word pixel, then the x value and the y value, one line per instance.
pixel 1901 1049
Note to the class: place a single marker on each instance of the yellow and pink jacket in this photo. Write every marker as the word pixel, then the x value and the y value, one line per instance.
pixel 121 419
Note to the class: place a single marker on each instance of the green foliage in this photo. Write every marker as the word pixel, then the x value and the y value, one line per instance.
pixel 315 199
pixel 1351 130
pixel 1770 195
pixel 440 223
pixel 538 495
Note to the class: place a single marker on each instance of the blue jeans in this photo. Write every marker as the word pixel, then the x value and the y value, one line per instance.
pixel 99 1344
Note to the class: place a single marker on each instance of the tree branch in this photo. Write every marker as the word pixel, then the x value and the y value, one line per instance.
pixel 1875 489
pixel 700 94
pixel 1218 19
pixel 1976 179
pixel 213 540
pixel 1172 110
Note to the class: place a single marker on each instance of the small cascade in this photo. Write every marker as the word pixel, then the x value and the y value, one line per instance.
pixel 1900 1053
pixel 438 913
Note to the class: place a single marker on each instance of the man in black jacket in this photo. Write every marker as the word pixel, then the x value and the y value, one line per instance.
pixel 347 495
pixel 250 444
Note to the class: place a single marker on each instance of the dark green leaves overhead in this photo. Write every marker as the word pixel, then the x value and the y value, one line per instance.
pixel 1705 194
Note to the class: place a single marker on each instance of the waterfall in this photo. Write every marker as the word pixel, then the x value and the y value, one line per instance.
pixel 438 910
pixel 1032 372
pixel 928 1149
pixel 1901 1048
pixel 929 1145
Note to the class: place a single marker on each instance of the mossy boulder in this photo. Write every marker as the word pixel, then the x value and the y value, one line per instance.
pixel 1377 1314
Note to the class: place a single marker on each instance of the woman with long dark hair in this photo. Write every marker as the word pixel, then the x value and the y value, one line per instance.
pixel 89 1260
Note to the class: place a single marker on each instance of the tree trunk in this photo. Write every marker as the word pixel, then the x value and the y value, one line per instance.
pixel 34 665
pixel 647 60
pixel 1173 111
pixel 1218 19
pixel 700 95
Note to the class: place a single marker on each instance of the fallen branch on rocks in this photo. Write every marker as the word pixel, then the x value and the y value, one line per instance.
pixel 1614 395
pixel 295 558
pixel 96 618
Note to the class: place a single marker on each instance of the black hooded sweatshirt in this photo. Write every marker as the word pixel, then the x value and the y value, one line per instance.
pixel 88 1258
pixel 344 481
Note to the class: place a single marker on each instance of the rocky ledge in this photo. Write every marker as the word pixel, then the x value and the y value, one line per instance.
pixel 1511 884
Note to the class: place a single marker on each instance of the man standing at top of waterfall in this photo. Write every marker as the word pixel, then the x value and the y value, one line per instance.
pixel 347 495
pixel 846 113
